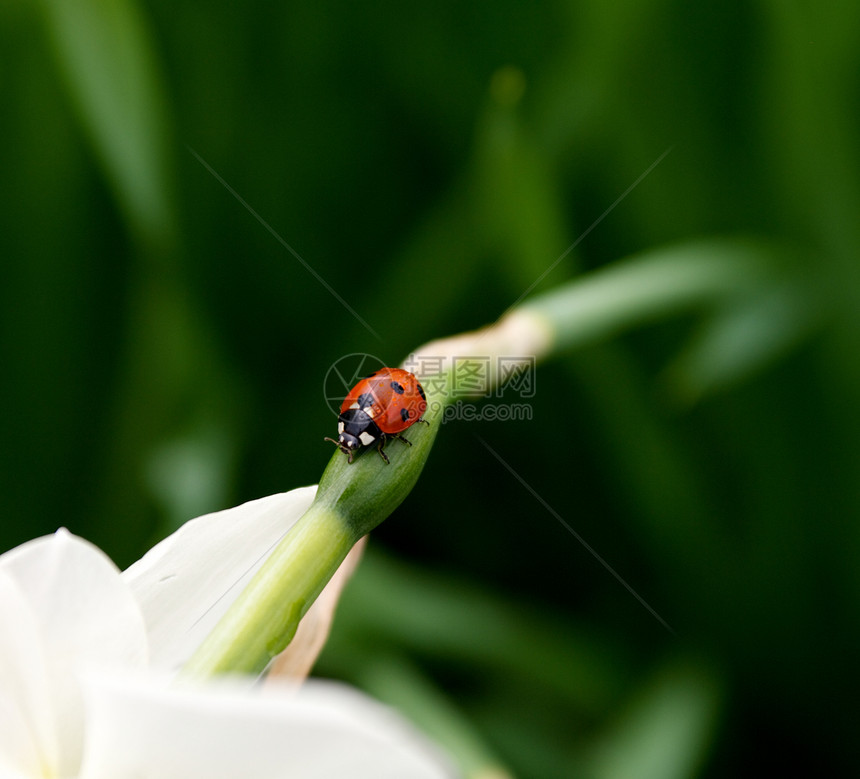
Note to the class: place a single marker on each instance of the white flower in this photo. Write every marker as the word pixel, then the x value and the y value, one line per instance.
pixel 85 656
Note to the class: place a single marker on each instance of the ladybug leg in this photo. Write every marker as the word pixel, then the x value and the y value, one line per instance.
pixel 400 438
pixel 379 449
pixel 424 421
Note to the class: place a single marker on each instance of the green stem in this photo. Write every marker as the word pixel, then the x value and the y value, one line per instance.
pixel 265 616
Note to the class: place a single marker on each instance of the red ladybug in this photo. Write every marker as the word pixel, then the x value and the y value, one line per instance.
pixel 379 407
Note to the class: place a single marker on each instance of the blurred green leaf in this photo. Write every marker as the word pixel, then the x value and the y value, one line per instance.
pixel 516 199
pixel 656 284
pixel 441 617
pixel 747 336
pixel 106 57
pixel 666 730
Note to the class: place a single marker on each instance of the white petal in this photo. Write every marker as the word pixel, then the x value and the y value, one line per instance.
pixel 84 618
pixel 85 610
pixel 28 739
pixel 185 583
pixel 136 729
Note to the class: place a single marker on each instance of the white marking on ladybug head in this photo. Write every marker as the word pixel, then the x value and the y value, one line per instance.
pixel 366 438
pixel 355 404
pixel 340 427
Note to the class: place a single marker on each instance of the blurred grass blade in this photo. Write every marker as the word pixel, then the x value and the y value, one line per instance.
pixel 105 57
pixel 666 731
pixel 458 621
pixel 517 204
pixel 748 336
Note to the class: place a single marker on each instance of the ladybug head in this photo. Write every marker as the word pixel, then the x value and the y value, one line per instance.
pixel 347 443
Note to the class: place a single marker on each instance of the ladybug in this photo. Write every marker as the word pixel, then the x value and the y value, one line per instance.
pixel 379 407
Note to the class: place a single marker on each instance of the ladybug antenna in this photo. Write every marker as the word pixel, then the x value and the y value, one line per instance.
pixel 343 447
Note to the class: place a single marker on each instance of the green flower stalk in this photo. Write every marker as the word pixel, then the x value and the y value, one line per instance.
pixel 353 499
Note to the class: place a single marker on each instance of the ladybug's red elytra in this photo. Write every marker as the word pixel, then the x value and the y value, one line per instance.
pixel 379 407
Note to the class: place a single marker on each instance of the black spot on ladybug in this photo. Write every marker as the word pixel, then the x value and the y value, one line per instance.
pixel 420 391
pixel 364 400
pixel 405 414
pixel 398 388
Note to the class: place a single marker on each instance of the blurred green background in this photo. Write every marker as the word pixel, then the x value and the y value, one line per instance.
pixel 163 355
